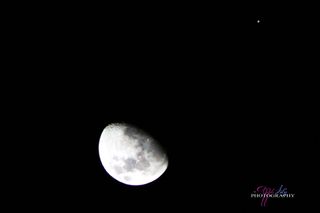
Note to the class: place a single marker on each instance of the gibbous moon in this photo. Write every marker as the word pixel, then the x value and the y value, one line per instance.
pixel 130 155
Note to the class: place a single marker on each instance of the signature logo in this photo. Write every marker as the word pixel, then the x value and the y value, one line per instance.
pixel 266 192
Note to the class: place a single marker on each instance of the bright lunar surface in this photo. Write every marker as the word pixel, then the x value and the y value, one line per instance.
pixel 130 155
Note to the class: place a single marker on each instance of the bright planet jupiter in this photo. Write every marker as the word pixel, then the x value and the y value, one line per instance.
pixel 130 155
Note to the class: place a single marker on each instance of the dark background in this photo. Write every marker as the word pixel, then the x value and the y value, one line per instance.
pixel 231 100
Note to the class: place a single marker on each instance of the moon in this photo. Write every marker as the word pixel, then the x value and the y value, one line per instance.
pixel 130 155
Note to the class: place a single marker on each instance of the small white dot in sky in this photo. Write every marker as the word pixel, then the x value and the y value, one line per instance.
pixel 258 21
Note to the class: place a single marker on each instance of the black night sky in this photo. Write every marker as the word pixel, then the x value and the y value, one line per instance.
pixel 216 88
